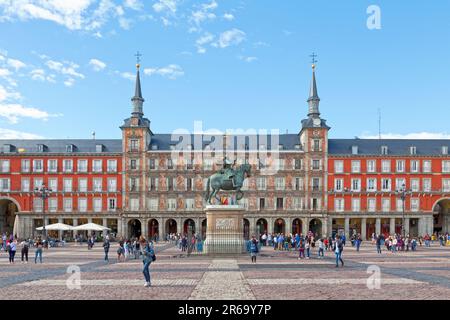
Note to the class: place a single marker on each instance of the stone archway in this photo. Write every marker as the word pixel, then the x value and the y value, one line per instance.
pixel 171 226
pixel 297 225
pixel 134 228
pixel 261 226
pixel 247 230
pixel 315 226
pixel 279 226
pixel 8 212
pixel 441 216
pixel 189 227
pixel 153 229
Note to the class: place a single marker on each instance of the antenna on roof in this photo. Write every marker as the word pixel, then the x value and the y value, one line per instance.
pixel 93 135
pixel 379 123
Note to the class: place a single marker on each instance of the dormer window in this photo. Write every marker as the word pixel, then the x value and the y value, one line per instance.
pixel 444 150
pixel 280 147
pixel 297 147
pixel 172 147
pixel 354 149
pixel 98 148
pixel 154 147
pixel 262 147
pixel 384 150
pixel 412 150
pixel 7 148
pixel 69 148
pixel 41 148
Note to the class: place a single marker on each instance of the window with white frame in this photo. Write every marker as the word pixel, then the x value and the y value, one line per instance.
pixel 371 204
pixel 97 184
pixel 82 165
pixel 386 166
pixel 297 203
pixel 415 164
pixel 446 166
pixel 279 183
pixel 67 182
pixel 152 184
pixel 153 204
pixel 82 185
pixel 67 204
pixel 338 185
pixel 261 183
pixel 112 204
pixel 444 150
pixel 356 204
pixel 415 185
pixel 315 183
pixel 134 204
pixel 316 164
pixel 399 205
pixel 371 184
pixel 38 165
pixel 171 204
pixel 52 165
pixel 356 166
pixel 25 185
pixel 427 166
pixel 426 185
pixel 446 185
pixel 385 184
pixel 339 205
pixel 112 165
pixel 97 204
pixel 67 165
pixel 338 166
pixel 4 185
pixel 400 165
pixel 96 165
pixel 37 183
pixel 415 204
pixel 134 164
pixel 412 150
pixel 112 184
pixel 371 166
pixel 53 184
pixel 82 204
pixel 354 149
pixel 134 145
pixel 189 204
pixel 297 164
pixel 384 150
pixel 37 204
pixel 52 204
pixel 298 183
pixel 25 165
pixel 134 184
pixel 386 204
pixel 4 166
pixel 399 182
pixel 356 185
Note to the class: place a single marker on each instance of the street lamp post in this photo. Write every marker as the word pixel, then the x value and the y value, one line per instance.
pixel 403 192
pixel 44 193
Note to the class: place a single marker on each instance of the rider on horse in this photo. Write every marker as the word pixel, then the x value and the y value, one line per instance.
pixel 228 169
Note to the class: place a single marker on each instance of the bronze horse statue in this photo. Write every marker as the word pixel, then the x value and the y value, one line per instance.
pixel 219 181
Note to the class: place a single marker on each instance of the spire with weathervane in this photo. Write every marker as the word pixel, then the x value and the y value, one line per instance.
pixel 313 100
pixel 137 100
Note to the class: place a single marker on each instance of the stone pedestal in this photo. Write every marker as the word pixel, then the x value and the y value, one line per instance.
pixel 225 229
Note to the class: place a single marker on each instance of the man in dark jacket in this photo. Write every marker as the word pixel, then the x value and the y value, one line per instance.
pixel 338 248
pixel 106 246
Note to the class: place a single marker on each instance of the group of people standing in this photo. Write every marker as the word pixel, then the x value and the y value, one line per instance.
pixel 10 245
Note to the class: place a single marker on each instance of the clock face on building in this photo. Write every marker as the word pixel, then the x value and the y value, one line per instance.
pixel 316 122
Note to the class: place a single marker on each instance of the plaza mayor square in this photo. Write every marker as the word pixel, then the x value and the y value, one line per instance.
pixel 224 150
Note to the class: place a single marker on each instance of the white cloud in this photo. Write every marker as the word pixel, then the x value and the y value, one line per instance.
pixel 165 5
pixel 69 82
pixel 6 94
pixel 205 39
pixel 97 35
pixel 248 59
pixel 230 38
pixel 97 65
pixel 414 135
pixel 203 14
pixel 128 75
pixel 66 68
pixel 172 71
pixel 14 134
pixel 40 75
pixel 166 22
pixel 125 23
pixel 4 72
pixel 16 64
pixel 133 4
pixel 228 16
pixel 13 111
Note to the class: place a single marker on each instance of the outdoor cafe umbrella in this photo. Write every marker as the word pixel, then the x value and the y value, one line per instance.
pixel 56 226
pixel 91 227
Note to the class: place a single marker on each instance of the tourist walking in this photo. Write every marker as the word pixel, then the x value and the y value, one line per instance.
pixel 121 251
pixel 12 250
pixel 301 250
pixel 358 242
pixel 308 248
pixel 24 251
pixel 148 256
pixel 106 246
pixel 338 248
pixel 321 248
pixel 253 248
pixel 38 252
pixel 378 243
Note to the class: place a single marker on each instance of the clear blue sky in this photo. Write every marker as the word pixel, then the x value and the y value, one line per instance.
pixel 65 66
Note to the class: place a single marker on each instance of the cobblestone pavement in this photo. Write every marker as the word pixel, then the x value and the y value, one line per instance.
pixel 424 274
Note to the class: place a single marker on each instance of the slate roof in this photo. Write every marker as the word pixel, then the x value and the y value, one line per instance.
pixel 59 145
pixel 395 146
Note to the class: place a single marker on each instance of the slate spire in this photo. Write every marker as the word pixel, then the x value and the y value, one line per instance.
pixel 137 100
pixel 313 100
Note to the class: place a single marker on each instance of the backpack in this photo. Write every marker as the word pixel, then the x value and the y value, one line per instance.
pixel 253 247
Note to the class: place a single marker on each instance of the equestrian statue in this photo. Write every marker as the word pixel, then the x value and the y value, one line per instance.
pixel 228 178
